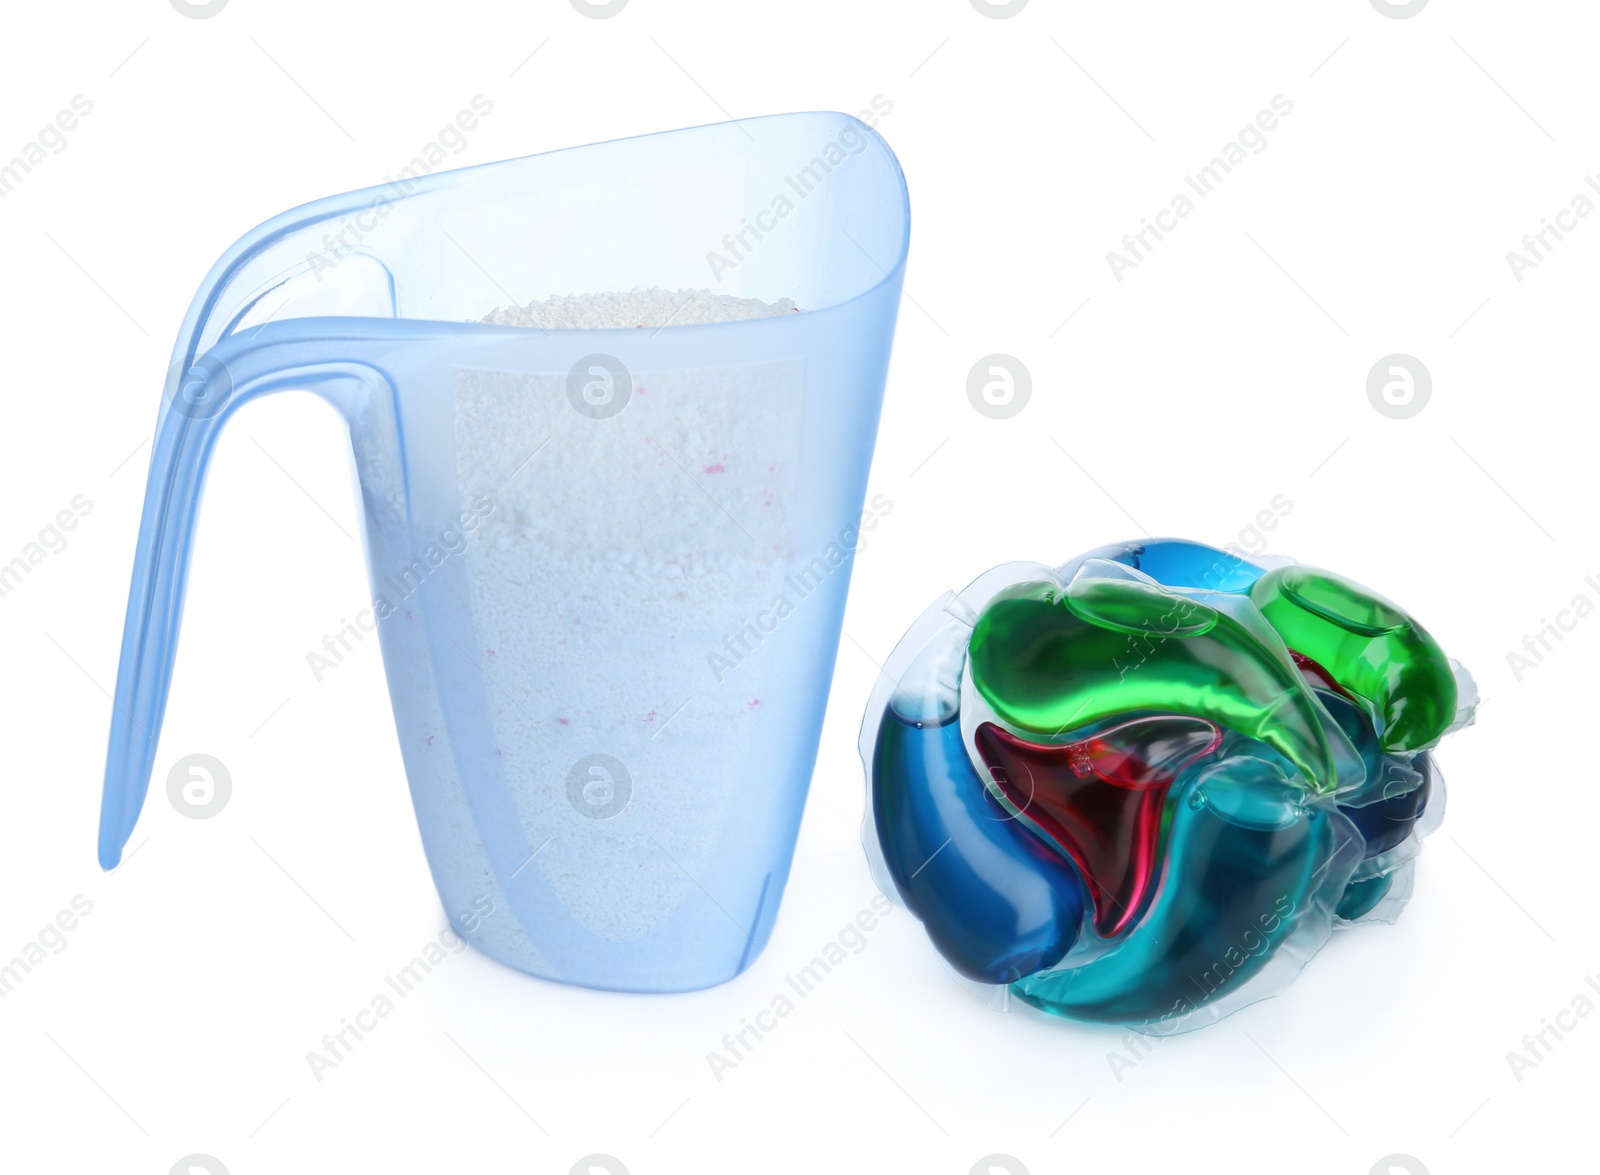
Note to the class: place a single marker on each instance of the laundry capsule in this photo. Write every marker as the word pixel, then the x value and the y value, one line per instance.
pixel 1199 762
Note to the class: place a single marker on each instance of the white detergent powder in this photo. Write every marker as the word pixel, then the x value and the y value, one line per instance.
pixel 651 307
pixel 616 559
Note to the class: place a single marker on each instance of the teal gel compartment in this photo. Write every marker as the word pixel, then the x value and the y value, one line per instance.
pixel 609 566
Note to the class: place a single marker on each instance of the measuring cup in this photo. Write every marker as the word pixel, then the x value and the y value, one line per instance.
pixel 608 566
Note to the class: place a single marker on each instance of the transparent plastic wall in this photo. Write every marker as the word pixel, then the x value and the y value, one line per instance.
pixel 608 566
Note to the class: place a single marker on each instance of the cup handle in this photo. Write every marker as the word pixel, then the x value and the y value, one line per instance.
pixel 202 394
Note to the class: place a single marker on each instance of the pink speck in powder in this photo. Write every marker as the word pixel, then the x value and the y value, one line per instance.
pixel 564 721
pixel 719 467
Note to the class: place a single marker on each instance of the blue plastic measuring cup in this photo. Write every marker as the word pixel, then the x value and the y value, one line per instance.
pixel 608 566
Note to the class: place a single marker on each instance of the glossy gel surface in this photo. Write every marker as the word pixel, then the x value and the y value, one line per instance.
pixel 1100 800
pixel 996 901
pixel 1371 647
pixel 1245 863
pixel 1047 658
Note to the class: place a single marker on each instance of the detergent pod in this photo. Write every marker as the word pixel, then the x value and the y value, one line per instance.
pixel 1144 786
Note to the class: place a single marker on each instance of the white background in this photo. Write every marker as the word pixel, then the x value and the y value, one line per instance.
pixel 1226 369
